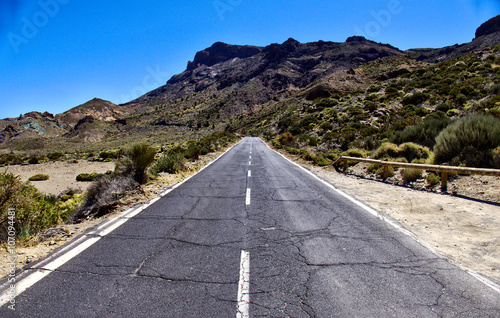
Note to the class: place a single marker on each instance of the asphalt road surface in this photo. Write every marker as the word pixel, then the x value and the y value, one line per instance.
pixel 251 235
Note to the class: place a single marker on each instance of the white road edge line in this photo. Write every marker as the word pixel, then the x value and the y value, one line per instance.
pixel 54 261
pixel 393 223
pixel 244 286
pixel 249 191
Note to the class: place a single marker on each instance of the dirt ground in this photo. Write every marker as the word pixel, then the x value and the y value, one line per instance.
pixel 462 225
pixel 62 174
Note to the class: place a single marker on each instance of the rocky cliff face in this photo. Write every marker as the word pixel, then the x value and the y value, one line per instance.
pixel 220 52
pixel 269 71
pixel 489 27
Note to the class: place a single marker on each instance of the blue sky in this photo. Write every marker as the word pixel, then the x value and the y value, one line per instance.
pixel 57 54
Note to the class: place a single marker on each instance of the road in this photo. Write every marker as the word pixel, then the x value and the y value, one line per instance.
pixel 251 235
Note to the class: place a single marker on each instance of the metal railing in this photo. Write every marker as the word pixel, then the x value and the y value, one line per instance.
pixel 444 170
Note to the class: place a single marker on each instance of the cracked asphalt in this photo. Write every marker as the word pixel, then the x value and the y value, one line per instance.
pixel 312 254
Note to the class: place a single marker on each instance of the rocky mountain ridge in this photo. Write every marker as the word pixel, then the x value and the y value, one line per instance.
pixel 226 83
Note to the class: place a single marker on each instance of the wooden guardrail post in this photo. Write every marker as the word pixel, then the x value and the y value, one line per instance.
pixel 444 181
pixel 386 172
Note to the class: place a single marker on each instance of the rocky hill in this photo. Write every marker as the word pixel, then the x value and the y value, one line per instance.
pixel 264 89
pixel 97 108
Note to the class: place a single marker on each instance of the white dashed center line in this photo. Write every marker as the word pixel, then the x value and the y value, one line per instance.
pixel 248 197
pixel 244 286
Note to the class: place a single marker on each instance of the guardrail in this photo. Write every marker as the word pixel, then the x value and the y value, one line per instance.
pixel 445 170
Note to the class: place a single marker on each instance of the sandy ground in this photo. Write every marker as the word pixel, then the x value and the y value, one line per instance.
pixel 62 174
pixel 465 231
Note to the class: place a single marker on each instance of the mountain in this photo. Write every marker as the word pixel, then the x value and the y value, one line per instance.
pixel 487 35
pixel 244 88
pixel 97 108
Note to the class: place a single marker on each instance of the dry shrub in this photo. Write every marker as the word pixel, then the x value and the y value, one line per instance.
pixel 411 175
pixel 285 138
pixel 432 179
pixel 103 195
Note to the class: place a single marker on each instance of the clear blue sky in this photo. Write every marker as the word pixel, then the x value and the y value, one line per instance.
pixel 57 54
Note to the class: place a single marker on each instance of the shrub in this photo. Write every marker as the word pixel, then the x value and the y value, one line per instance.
pixel 33 160
pixel 85 177
pixel 285 138
pixel 39 177
pixel 380 172
pixel 141 156
pixel 192 152
pixel 327 102
pixel 276 144
pixel 432 179
pixel 412 151
pixel 103 195
pixel 423 133
pixel 496 157
pixel 354 152
pixel 123 167
pixel 387 150
pixel 415 99
pixel 55 155
pixel 170 162
pixel 468 141
pixel 33 211
pixel 411 175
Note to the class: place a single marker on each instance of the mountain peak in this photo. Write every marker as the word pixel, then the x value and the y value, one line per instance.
pixel 221 52
pixel 489 27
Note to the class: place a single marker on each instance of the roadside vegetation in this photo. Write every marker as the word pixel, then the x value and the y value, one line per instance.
pixel 135 166
pixel 448 113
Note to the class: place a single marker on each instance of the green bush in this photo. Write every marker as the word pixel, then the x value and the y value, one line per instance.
pixel 354 152
pixel 495 153
pixel 327 102
pixel 33 211
pixel 415 99
pixel 170 162
pixel 469 141
pixel 411 175
pixel 192 152
pixel 423 133
pixel 85 177
pixel 387 150
pixel 39 177
pixel 33 160
pixel 141 156
pixel 380 172
pixel 432 179
pixel 55 155
pixel 412 151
